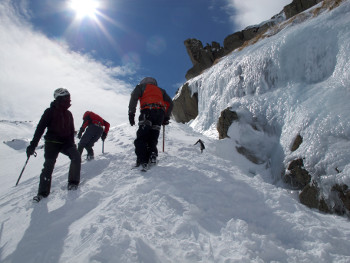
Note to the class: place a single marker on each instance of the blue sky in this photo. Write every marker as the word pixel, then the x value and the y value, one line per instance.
pixel 145 37
pixel 100 59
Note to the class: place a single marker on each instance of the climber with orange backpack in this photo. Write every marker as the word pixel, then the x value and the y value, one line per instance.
pixel 155 111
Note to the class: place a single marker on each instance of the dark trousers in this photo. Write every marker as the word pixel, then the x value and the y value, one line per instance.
pixel 51 153
pixel 150 122
pixel 87 141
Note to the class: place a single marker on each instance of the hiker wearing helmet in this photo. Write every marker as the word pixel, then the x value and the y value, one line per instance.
pixel 155 110
pixel 59 138
pixel 97 128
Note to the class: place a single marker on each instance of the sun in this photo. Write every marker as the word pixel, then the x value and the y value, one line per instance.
pixel 84 8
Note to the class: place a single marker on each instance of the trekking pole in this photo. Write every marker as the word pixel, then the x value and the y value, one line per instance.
pixel 163 136
pixel 19 178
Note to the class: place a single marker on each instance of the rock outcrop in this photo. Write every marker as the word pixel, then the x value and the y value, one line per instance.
pixel 311 197
pixel 204 57
pixel 297 175
pixel 185 105
pixel 297 142
pixel 201 57
pixel 225 120
pixel 298 6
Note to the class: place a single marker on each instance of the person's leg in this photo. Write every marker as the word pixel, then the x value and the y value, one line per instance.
pixel 157 117
pixel 153 142
pixel 87 141
pixel 75 165
pixel 51 152
pixel 141 144
pixel 142 134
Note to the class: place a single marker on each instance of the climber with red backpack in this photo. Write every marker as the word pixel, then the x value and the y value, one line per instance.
pixel 155 110
pixel 96 128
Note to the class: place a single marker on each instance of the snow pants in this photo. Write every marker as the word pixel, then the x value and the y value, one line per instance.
pixel 150 122
pixel 90 136
pixel 51 153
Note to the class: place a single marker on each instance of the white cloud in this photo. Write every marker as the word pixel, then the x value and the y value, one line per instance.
pixel 251 12
pixel 33 66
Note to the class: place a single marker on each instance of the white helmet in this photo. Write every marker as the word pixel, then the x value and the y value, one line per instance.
pixel 149 80
pixel 60 92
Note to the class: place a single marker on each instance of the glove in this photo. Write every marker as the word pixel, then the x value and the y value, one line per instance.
pixel 80 134
pixel 103 137
pixel 30 150
pixel 166 121
pixel 132 119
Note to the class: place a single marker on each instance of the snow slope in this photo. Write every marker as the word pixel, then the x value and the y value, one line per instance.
pixel 192 207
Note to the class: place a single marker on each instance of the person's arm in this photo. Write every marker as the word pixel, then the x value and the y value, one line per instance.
pixel 86 122
pixel 72 129
pixel 42 125
pixel 106 125
pixel 39 131
pixel 169 102
pixel 135 95
pixel 106 129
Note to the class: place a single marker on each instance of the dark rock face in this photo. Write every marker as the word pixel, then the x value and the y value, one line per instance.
pixel 341 199
pixel 234 41
pixel 338 201
pixel 297 176
pixel 201 57
pixel 298 6
pixel 310 196
pixel 297 141
pixel 185 105
pixel 225 120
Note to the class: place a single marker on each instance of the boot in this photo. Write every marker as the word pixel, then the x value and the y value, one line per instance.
pixel 153 158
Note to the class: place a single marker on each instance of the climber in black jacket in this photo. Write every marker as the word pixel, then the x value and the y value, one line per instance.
pixel 59 138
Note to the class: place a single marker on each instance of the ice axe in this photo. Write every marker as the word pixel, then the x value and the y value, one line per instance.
pixel 163 136
pixel 19 178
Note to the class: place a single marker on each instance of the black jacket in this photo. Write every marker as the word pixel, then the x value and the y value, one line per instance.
pixel 59 123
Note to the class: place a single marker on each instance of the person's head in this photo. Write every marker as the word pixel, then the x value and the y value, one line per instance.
pixel 86 114
pixel 149 80
pixel 62 96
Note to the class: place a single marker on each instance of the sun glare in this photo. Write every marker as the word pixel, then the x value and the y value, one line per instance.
pixel 84 8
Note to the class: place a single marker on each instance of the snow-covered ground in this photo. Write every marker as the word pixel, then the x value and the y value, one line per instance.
pixel 193 207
